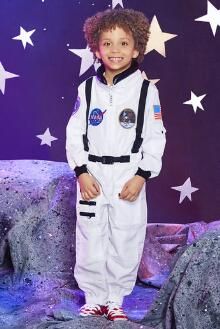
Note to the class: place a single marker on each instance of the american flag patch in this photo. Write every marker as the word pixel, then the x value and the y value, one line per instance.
pixel 157 112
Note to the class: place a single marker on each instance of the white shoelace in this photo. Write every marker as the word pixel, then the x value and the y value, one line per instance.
pixel 90 307
pixel 115 308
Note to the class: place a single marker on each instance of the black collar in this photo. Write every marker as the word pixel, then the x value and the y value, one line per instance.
pixel 134 67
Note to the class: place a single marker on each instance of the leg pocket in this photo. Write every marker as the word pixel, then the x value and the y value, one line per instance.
pixel 86 209
pixel 91 233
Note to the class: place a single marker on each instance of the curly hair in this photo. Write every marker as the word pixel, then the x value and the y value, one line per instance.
pixel 128 19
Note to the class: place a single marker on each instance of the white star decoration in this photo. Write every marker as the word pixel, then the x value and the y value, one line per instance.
pixel 24 37
pixel 46 138
pixel 117 2
pixel 157 38
pixel 212 17
pixel 185 190
pixel 195 101
pixel 154 81
pixel 87 59
pixel 4 75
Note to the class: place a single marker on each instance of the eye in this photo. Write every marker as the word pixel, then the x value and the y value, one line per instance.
pixel 124 43
pixel 106 43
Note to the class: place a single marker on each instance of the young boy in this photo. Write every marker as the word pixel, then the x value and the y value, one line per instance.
pixel 114 146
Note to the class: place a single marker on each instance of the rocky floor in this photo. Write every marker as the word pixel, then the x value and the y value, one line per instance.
pixel 19 310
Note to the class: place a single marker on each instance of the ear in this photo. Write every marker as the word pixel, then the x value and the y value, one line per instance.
pixel 97 53
pixel 135 53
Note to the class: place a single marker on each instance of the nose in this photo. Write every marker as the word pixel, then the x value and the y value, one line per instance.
pixel 115 48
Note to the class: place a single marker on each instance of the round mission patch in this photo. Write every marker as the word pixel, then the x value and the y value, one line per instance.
pixel 127 118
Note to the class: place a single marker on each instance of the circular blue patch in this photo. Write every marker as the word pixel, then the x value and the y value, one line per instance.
pixel 96 117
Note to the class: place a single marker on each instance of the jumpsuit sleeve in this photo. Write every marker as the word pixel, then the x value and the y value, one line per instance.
pixel 153 135
pixel 76 127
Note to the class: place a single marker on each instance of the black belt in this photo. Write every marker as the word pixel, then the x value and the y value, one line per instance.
pixel 109 159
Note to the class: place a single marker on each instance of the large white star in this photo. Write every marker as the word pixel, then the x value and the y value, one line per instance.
pixel 117 2
pixel 87 59
pixel 158 38
pixel 46 138
pixel 212 17
pixel 24 37
pixel 4 75
pixel 154 81
pixel 185 190
pixel 195 101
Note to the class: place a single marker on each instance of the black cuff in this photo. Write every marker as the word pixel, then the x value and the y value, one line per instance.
pixel 143 173
pixel 80 170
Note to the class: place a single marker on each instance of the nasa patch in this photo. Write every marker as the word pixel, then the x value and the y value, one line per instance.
pixel 127 118
pixel 76 105
pixel 96 117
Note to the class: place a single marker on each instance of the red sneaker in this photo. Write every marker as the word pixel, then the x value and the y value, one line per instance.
pixel 114 312
pixel 92 310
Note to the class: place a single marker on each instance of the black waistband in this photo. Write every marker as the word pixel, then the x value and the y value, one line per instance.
pixel 109 159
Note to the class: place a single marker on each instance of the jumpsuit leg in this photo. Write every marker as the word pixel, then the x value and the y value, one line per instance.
pixel 91 248
pixel 127 229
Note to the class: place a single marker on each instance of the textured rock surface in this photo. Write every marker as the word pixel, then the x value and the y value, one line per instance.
pixel 20 310
pixel 37 224
pixel 190 298
pixel 161 244
pixel 96 323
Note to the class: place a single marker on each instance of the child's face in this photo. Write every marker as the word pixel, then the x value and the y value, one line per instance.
pixel 116 50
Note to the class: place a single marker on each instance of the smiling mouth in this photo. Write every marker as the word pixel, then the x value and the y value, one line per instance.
pixel 115 59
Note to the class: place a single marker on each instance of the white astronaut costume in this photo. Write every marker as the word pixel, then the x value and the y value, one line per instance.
pixel 110 232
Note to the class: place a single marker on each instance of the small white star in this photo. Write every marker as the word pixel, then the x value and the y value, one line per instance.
pixel 195 101
pixel 212 17
pixel 154 81
pixel 24 37
pixel 46 138
pixel 157 38
pixel 117 2
pixel 185 190
pixel 4 75
pixel 87 59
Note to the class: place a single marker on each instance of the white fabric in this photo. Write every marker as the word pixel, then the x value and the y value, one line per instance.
pixel 111 305
pixel 109 138
pixel 109 246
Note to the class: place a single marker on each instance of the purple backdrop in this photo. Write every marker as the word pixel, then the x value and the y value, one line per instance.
pixel 44 93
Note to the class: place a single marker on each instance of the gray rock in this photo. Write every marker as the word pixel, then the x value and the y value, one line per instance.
pixel 37 220
pixel 37 251
pixel 91 322
pixel 190 298
pixel 162 243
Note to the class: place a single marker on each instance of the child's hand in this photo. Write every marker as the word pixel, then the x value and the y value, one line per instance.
pixel 89 187
pixel 132 188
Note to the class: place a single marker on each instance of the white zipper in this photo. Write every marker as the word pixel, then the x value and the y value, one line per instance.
pixel 110 96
